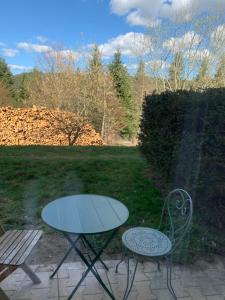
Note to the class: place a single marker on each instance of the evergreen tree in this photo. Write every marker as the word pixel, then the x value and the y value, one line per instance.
pixel 140 70
pixel 105 109
pixel 122 85
pixel 220 73
pixel 176 71
pixel 204 69
pixel 95 78
pixel 6 76
pixel 140 87
pixel 22 92
pixel 95 62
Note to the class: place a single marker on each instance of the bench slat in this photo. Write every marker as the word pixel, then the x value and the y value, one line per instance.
pixel 9 242
pixel 6 237
pixel 19 243
pixel 6 272
pixel 29 248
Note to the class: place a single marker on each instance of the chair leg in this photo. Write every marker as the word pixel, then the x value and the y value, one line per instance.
pixel 122 259
pixel 3 296
pixel 31 274
pixel 169 277
pixel 158 266
pixel 128 289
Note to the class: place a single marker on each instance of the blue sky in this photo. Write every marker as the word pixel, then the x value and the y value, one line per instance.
pixel 32 27
pixel 69 23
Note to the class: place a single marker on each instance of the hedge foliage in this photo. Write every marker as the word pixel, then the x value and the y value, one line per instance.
pixel 183 137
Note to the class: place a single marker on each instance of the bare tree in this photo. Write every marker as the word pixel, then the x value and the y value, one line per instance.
pixel 59 89
pixel 195 41
pixel 87 96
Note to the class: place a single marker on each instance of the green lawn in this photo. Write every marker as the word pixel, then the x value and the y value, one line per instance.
pixel 30 177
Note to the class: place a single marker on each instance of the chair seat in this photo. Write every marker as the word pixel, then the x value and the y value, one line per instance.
pixel 16 245
pixel 146 241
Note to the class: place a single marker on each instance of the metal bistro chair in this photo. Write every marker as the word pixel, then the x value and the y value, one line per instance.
pixel 154 244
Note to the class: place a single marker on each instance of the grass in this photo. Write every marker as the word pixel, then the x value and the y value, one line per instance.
pixel 30 177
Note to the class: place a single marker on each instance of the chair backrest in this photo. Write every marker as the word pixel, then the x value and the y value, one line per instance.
pixel 178 208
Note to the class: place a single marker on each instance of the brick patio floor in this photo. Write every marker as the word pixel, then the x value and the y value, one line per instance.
pixel 203 282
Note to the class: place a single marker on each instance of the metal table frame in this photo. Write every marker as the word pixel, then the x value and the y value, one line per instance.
pixel 90 265
pixel 78 217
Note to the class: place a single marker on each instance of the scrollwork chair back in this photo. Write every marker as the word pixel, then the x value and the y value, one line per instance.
pixel 177 211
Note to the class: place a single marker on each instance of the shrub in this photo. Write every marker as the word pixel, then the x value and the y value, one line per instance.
pixel 183 137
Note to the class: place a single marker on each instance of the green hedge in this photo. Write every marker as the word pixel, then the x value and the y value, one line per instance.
pixel 183 137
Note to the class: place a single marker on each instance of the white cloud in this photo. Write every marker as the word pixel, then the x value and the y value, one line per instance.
pixel 130 44
pixel 47 49
pixel 134 18
pixel 67 53
pixel 189 40
pixel 9 52
pixel 41 38
pixel 20 68
pixel 34 47
pixel 146 12
pixel 70 53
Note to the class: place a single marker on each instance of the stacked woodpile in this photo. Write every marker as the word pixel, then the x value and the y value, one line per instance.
pixel 35 126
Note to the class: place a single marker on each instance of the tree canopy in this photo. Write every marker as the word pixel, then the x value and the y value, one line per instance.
pixel 122 85
pixel 6 76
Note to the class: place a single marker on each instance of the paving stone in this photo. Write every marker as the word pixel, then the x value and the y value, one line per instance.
pixel 107 275
pixel 77 296
pixel 215 297
pixel 18 271
pixel 114 289
pixel 216 275
pixel 74 277
pixel 45 268
pixel 180 291
pixel 206 285
pixel 94 297
pixel 46 282
pixel 144 291
pixel 187 279
pixel 122 284
pixel 150 267
pixel 10 294
pixel 111 264
pixel 132 296
pixel 73 266
pixel 12 282
pixel 59 289
pixel 157 282
pixel 163 294
pixel 196 293
pixel 27 292
pixel 149 284
pixel 92 286
pixel 220 289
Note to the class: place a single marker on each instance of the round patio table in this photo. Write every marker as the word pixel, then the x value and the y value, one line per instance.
pixel 84 215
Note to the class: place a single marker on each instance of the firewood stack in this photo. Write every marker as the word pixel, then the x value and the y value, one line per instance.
pixel 35 126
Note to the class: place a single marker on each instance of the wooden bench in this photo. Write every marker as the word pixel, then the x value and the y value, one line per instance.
pixel 15 246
